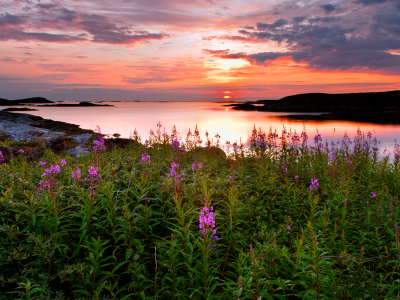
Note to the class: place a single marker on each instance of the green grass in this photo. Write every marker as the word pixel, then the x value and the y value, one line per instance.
pixel 134 233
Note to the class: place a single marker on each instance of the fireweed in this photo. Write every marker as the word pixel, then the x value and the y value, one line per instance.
pixel 93 228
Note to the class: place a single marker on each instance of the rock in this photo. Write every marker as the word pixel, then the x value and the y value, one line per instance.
pixel 78 151
pixel 81 138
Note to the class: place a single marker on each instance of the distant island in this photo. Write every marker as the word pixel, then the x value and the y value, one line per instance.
pixel 34 100
pixel 80 104
pixel 380 107
pixel 17 109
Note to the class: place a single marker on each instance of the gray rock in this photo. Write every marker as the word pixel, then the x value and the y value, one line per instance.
pixel 78 151
pixel 81 138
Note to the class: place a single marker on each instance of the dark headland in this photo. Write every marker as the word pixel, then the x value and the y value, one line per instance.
pixel 80 104
pixel 381 107
pixel 34 100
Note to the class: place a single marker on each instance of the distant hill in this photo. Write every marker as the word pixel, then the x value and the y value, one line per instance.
pixel 33 100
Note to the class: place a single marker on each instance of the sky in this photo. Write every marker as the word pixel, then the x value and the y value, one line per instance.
pixel 196 50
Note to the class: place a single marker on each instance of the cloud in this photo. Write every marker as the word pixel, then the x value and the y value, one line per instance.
pixel 368 2
pixel 328 8
pixel 96 28
pixel 324 47
pixel 216 52
pixel 20 35
pixel 147 80
pixel 8 20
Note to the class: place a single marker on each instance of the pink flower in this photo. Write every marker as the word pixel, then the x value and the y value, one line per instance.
pixel 21 151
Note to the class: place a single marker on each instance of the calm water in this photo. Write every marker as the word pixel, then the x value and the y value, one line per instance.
pixel 231 125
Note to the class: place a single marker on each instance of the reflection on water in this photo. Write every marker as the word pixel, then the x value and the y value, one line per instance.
pixel 230 124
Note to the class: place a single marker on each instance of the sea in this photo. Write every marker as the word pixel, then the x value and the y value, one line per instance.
pixel 214 118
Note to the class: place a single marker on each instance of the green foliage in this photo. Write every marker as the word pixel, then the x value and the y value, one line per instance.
pixel 133 232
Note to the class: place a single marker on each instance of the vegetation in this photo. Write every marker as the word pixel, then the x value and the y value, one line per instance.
pixel 168 219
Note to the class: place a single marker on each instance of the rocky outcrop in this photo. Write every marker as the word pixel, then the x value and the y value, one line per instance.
pixel 368 107
pixel 33 100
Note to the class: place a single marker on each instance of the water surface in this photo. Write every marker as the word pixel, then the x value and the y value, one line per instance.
pixel 214 118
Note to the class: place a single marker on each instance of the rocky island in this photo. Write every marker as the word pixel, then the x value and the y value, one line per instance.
pixel 33 100
pixel 380 107
pixel 80 104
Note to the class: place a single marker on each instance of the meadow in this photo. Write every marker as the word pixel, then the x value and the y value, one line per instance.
pixel 289 217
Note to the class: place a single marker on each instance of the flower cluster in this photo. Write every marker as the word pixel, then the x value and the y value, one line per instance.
pixel 314 185
pixel 76 173
pixel 174 172
pixel 99 144
pixel 207 223
pixel 176 146
pixel 93 176
pixel 200 165
pixel 50 173
pixel 146 159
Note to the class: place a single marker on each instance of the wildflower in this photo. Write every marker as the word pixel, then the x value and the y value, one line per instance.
pixel 314 185
pixel 76 173
pixel 373 195
pixel 206 220
pixel 1 154
pixel 193 167
pixel 145 158
pixel 332 156
pixel 215 238
pixel 63 162
pixel 200 165
pixel 288 228
pixel 42 163
pixel 284 170
pixel 345 200
pixel 296 177
pixel 21 151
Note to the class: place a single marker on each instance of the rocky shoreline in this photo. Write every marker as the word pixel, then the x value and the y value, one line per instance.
pixel 17 127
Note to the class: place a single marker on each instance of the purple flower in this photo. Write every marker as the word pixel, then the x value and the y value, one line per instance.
pixel 345 200
pixel 373 195
pixel 288 228
pixel 214 231
pixel 42 163
pixel 284 170
pixel 296 177
pixel 314 185
pixel 215 238
pixel 63 162
pixel 1 154
pixel 194 167
pixel 200 165
pixel 21 151
pixel 145 159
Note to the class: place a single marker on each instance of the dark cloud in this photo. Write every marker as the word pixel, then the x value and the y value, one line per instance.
pixel 98 29
pixel 368 2
pixel 20 35
pixel 255 59
pixel 7 20
pixel 45 5
pixel 277 24
pixel 398 4
pixel 328 8
pixel 326 47
pixel 104 31
pixel 299 19
pixel 147 80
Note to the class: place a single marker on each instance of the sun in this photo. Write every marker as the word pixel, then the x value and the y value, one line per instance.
pixel 227 97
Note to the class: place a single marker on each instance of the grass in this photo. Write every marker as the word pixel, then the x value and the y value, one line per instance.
pixel 292 221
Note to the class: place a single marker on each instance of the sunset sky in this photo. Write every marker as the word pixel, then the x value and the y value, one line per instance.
pixel 196 50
